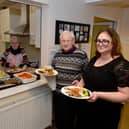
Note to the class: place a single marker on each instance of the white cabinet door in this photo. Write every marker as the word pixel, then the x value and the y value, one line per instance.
pixel 4 26
pixel 35 23
pixel 28 110
pixel 5 23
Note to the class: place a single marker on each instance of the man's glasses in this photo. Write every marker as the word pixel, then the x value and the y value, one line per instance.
pixel 63 41
pixel 102 41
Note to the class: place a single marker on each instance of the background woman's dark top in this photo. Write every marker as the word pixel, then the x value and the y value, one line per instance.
pixel 103 114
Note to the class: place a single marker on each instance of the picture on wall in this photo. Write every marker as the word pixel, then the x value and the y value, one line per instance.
pixel 81 31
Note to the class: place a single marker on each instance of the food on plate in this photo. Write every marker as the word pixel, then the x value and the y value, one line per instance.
pixel 48 70
pixel 12 81
pixel 77 91
pixel 2 74
pixel 15 70
pixel 25 75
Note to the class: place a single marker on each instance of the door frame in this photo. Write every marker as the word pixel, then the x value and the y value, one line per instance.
pixel 109 22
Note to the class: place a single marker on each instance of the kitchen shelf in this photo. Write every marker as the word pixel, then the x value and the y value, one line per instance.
pixel 17 34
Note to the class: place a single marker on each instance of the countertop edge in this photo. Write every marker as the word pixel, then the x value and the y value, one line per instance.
pixel 21 88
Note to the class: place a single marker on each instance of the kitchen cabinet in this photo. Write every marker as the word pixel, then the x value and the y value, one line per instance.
pixel 28 106
pixel 9 20
pixel 4 26
pixel 35 26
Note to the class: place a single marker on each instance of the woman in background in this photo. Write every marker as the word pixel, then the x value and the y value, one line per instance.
pixel 14 56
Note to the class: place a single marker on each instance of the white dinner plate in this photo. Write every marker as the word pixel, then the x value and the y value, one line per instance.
pixel 67 90
pixel 40 71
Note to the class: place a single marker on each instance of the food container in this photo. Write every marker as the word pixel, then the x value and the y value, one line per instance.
pixel 25 77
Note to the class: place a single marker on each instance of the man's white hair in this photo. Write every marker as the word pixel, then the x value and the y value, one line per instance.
pixel 68 32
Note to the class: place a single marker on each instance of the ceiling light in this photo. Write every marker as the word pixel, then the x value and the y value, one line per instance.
pixel 91 1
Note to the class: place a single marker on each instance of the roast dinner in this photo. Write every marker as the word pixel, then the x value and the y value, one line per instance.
pixel 76 92
pixel 47 71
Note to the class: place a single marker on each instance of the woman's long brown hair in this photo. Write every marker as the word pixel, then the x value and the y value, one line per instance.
pixel 116 50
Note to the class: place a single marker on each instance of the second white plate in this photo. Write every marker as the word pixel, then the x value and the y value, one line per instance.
pixel 39 71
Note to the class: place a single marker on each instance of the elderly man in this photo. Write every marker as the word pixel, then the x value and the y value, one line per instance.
pixel 69 61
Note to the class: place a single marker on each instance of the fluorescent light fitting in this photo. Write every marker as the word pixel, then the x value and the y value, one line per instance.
pixel 92 1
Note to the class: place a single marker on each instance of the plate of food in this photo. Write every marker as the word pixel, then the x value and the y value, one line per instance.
pixel 3 76
pixel 15 70
pixel 47 71
pixel 76 92
pixel 25 77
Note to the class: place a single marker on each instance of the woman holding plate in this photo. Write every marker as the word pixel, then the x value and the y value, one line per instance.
pixel 107 76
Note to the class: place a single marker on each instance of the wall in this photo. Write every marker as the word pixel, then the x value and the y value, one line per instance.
pixel 124 32
pixel 125 50
pixel 74 11
pixel 14 16
pixel 124 26
pixel 32 52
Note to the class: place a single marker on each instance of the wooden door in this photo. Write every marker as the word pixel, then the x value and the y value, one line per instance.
pixel 96 29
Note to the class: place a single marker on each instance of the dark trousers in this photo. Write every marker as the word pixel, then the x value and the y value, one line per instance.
pixel 98 115
pixel 65 111
pixel 80 114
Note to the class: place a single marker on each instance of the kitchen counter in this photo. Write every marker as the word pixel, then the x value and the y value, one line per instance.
pixel 22 88
pixel 27 106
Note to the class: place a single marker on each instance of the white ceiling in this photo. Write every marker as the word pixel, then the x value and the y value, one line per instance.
pixel 109 3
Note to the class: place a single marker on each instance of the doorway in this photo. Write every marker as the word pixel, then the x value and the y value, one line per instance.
pixel 100 23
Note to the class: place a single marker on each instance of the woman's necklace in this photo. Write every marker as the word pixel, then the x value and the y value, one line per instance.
pixel 101 61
